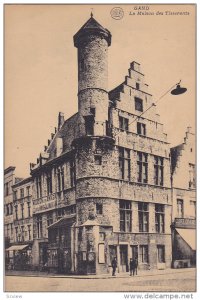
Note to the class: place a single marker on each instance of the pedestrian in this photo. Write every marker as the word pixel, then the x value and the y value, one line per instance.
pixel 114 266
pixel 136 265
pixel 131 266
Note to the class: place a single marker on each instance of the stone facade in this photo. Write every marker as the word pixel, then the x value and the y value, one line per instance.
pixel 101 188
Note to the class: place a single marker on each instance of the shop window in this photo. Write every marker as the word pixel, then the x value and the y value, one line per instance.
pixel 143 215
pixel 125 215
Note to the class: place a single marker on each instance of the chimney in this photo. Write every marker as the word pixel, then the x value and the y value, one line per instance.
pixel 61 120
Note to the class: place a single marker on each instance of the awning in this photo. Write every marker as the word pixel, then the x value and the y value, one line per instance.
pixel 16 247
pixel 189 236
pixel 64 221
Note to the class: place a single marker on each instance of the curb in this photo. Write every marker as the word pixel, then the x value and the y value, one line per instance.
pixel 101 276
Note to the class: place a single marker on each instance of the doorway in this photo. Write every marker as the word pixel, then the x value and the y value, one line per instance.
pixel 124 258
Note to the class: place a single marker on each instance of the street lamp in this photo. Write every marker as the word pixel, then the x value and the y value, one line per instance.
pixel 178 90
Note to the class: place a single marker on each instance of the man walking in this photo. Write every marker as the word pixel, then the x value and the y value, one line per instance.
pixel 114 266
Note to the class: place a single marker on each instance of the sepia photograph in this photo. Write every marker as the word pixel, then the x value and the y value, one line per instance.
pixel 99 148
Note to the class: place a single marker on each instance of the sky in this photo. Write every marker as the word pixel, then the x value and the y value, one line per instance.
pixel 40 68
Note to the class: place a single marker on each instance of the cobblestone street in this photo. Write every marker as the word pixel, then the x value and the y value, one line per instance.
pixel 173 281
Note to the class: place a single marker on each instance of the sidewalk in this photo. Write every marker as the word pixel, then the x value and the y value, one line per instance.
pixel 101 276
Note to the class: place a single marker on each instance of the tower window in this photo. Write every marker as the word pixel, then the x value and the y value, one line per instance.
pixel 138 104
pixel 99 208
pixel 98 159
pixel 89 125
pixel 137 86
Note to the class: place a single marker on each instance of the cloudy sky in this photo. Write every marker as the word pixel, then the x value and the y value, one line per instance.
pixel 41 67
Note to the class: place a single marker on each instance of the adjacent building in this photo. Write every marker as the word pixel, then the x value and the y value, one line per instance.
pixel 19 254
pixel 9 180
pixel 184 202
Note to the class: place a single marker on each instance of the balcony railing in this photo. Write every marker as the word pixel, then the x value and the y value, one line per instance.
pixel 184 223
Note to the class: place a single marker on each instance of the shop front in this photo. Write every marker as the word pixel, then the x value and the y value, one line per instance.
pixel 59 254
pixel 19 257
pixel 184 243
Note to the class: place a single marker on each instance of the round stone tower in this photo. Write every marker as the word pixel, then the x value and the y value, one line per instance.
pixel 92 41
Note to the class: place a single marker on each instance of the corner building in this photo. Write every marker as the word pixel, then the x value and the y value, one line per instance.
pixel 102 185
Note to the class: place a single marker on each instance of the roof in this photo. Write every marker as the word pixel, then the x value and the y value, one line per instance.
pixel 91 223
pixel 65 221
pixel 22 182
pixel 9 169
pixel 92 26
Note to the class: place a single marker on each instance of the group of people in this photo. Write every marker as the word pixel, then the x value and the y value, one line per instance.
pixel 133 266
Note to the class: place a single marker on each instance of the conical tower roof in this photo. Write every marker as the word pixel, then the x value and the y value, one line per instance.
pixel 91 27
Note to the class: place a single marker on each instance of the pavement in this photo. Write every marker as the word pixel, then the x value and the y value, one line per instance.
pixel 141 273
